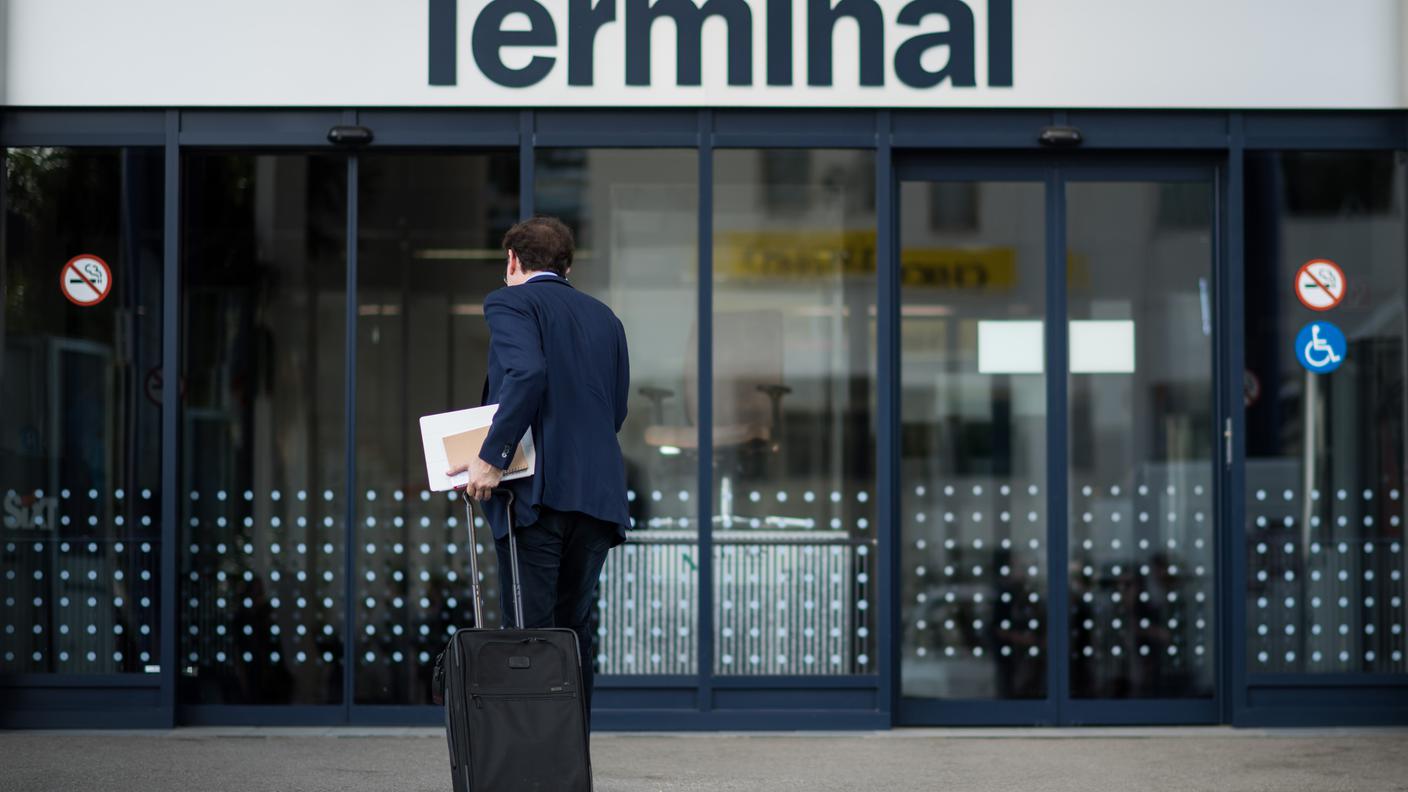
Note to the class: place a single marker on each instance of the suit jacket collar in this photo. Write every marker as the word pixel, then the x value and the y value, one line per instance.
pixel 551 277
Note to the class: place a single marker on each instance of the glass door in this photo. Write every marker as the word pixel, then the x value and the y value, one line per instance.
pixel 307 585
pixel 1142 445
pixel 260 562
pixel 973 470
pixel 1057 532
pixel 429 226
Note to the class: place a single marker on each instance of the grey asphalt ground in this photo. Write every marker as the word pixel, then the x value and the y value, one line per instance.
pixel 1083 760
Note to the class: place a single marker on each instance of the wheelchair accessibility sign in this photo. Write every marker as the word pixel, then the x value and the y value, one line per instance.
pixel 1320 347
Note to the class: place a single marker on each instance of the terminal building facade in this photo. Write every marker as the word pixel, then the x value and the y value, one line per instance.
pixel 979 376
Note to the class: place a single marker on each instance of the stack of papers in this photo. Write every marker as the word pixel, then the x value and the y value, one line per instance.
pixel 455 438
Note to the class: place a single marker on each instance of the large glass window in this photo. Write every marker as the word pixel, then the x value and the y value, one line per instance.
pixel 429 252
pixel 973 592
pixel 1141 454
pixel 1325 452
pixel 80 419
pixel 263 429
pixel 636 216
pixel 793 412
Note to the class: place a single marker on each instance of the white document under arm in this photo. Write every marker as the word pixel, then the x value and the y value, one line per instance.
pixel 435 428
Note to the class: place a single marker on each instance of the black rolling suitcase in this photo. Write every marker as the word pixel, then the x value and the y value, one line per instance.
pixel 514 710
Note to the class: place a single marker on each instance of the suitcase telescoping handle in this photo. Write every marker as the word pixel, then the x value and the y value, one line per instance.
pixel 474 558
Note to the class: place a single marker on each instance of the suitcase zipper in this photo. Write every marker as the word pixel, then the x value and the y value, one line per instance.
pixel 479 697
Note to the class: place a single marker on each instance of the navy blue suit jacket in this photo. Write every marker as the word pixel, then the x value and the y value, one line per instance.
pixel 558 365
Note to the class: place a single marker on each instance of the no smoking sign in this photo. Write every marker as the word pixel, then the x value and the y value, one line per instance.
pixel 1320 284
pixel 86 280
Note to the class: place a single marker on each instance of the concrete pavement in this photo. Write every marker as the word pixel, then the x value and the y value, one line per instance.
pixel 1022 760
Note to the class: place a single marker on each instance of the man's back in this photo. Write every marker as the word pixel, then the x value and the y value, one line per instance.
pixel 564 352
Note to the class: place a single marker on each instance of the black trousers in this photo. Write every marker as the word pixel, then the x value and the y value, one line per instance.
pixel 560 558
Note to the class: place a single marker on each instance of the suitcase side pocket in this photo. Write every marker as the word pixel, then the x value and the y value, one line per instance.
pixel 528 741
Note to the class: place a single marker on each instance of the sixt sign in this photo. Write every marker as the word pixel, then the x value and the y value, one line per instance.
pixel 920 43
pixel 31 512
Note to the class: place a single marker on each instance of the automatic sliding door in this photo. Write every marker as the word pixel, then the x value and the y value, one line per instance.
pixel 263 455
pixel 1129 637
pixel 1141 428
pixel 428 241
pixel 636 217
pixel 973 581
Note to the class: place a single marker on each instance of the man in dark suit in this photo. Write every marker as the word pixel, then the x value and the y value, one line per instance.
pixel 557 365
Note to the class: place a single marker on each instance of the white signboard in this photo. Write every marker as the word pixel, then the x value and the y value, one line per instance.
pixel 1007 346
pixel 1017 347
pixel 1102 346
pixel 703 53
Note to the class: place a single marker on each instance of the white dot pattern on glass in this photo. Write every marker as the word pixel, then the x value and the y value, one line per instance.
pixel 981 560
pixel 408 567
pixel 1354 580
pixel 1337 580
pixel 1140 554
pixel 83 604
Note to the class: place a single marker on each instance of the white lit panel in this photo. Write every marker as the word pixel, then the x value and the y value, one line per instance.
pixel 1009 347
pixel 1102 347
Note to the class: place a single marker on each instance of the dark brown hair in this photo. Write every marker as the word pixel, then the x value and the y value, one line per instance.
pixel 543 244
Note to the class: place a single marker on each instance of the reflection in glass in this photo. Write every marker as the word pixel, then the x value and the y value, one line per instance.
pixel 973 440
pixel 793 412
pixel 1325 453
pixel 428 253
pixel 80 431
pixel 1141 432
pixel 636 217
pixel 263 455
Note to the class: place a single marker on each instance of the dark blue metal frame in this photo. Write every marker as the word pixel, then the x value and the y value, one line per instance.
pixel 351 548
pixel 1005 136
pixel 170 417
pixel 1057 340
pixel 1232 558
pixel 705 414
pixel 887 371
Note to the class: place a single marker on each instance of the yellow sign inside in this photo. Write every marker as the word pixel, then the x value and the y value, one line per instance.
pixel 968 268
pixel 780 255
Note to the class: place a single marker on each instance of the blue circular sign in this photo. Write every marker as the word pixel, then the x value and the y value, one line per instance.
pixel 1320 347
